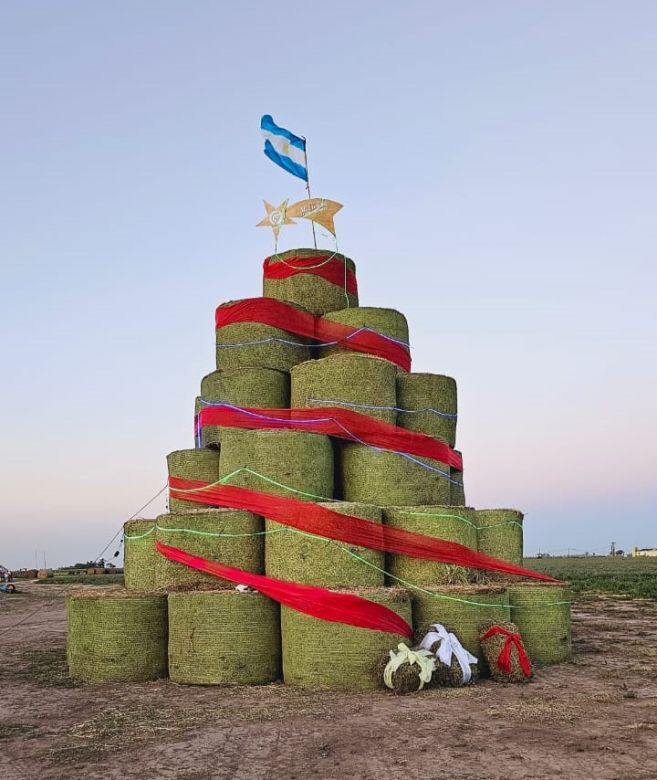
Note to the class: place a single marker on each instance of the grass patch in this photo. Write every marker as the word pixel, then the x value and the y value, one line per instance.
pixel 84 579
pixel 633 577
pixel 45 668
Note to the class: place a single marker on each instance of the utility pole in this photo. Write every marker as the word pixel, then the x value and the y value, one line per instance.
pixel 613 548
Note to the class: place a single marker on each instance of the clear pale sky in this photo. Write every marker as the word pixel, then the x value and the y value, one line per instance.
pixel 497 165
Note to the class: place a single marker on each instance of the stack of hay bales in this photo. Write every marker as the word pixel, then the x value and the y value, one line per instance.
pixel 174 619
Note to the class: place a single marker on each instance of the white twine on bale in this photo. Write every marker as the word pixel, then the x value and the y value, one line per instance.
pixel 423 658
pixel 449 648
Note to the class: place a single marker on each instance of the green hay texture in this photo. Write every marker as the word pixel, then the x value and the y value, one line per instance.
pixel 499 533
pixel 139 555
pixel 454 524
pixel 223 637
pixel 268 354
pixel 308 290
pixel 117 636
pixel 465 607
pixel 313 560
pixel 334 656
pixel 427 391
pixel 201 464
pixel 387 321
pixel 299 460
pixel 542 613
pixel 347 378
pixel 456 491
pixel 384 478
pixel 241 545
pixel 250 387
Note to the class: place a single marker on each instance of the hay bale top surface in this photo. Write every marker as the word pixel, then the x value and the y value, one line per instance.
pixel 182 520
pixel 526 586
pixel 112 592
pixel 220 376
pixel 282 257
pixel 138 526
pixel 244 300
pixel 388 595
pixel 347 357
pixel 468 590
pixel 353 508
pixel 204 592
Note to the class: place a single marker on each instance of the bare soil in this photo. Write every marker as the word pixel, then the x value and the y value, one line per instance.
pixel 594 718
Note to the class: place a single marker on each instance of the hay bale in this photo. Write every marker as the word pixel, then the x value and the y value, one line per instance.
pixel 230 536
pixel 499 533
pixel 456 488
pixel 255 387
pixel 389 322
pixel 201 464
pixel 295 460
pixel 334 656
pixel 223 637
pixel 116 636
pixel 348 380
pixel 313 560
pixel 454 524
pixel 433 392
pixel 493 646
pixel 139 555
pixel 385 478
pixel 460 608
pixel 253 344
pixel 43 574
pixel 542 613
pixel 314 293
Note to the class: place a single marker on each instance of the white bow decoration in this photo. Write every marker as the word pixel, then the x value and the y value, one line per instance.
pixel 449 647
pixel 422 658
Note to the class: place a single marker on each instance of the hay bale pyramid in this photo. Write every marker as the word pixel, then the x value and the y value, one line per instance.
pixel 176 620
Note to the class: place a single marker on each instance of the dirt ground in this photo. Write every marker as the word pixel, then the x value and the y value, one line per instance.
pixel 594 718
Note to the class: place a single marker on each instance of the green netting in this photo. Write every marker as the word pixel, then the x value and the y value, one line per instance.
pixel 427 391
pixel 302 461
pixel 231 536
pixel 223 637
pixel 251 387
pixel 460 608
pixel 334 656
pixel 387 321
pixel 542 613
pixel 255 345
pixel 345 379
pixel 384 478
pixel 456 489
pixel 454 524
pixel 139 555
pixel 201 464
pixel 114 635
pixel 291 555
pixel 499 533
pixel 308 290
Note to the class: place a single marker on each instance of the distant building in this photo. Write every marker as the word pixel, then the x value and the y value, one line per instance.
pixel 644 552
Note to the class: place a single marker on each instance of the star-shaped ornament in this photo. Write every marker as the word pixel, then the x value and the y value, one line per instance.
pixel 276 217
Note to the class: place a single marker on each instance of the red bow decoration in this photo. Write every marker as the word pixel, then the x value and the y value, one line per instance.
pixel 504 659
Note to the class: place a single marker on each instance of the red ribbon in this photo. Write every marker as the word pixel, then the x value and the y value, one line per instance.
pixel 334 421
pixel 513 639
pixel 318 520
pixel 334 270
pixel 278 314
pixel 309 599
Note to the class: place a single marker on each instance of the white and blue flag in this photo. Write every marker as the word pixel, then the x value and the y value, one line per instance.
pixel 284 148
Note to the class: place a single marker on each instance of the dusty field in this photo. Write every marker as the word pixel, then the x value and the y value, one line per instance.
pixel 593 718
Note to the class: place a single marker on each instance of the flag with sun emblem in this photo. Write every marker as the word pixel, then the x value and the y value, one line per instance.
pixel 284 148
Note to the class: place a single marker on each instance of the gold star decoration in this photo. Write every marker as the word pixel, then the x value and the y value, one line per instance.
pixel 276 217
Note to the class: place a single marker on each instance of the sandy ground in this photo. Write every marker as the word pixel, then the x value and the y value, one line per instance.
pixel 594 718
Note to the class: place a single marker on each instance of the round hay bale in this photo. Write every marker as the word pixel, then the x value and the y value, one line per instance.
pixel 313 560
pixel 388 322
pixel 453 524
pixel 230 536
pixel 291 461
pixel 385 478
pixel 334 656
pixel 356 382
pixel 253 344
pixel 492 648
pixel 460 608
pixel 250 387
pixel 499 533
pixel 542 613
pixel 429 406
pixel 456 488
pixel 201 464
pixel 314 293
pixel 117 636
pixel 43 574
pixel 223 637
pixel 139 555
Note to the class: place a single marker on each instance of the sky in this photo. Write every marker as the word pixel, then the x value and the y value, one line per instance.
pixel 496 162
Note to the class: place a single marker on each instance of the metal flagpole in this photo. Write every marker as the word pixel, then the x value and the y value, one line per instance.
pixel 308 188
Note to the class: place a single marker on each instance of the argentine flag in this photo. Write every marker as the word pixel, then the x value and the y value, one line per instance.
pixel 284 148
